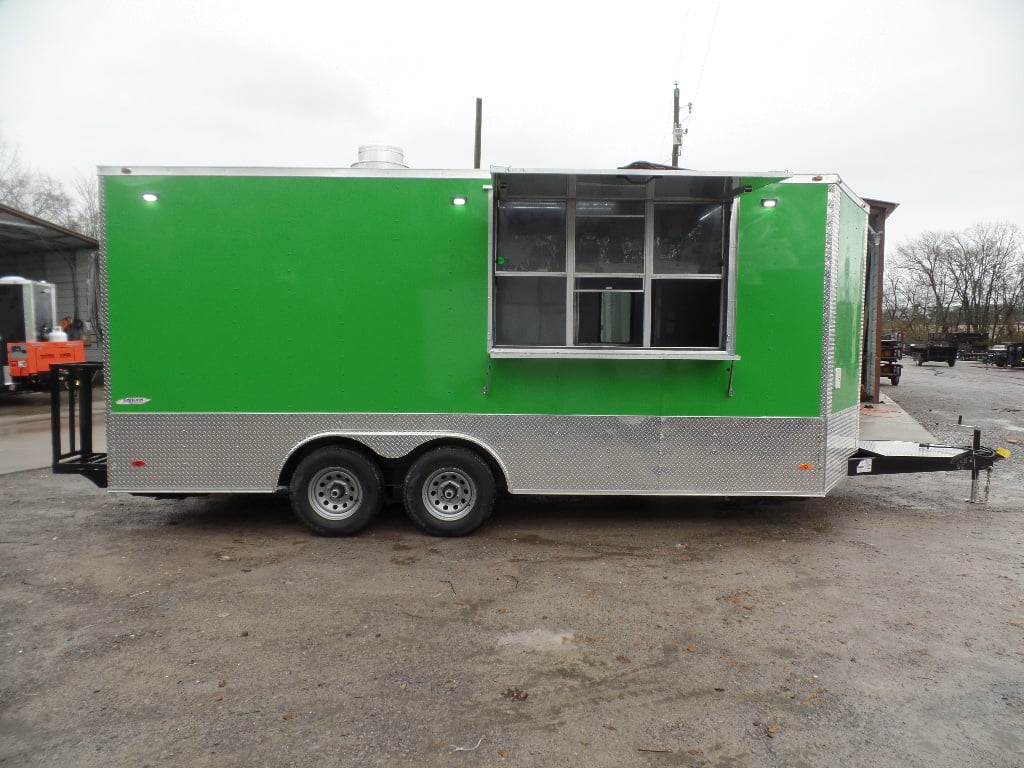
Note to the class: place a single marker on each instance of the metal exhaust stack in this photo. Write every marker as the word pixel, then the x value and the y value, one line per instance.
pixel 380 156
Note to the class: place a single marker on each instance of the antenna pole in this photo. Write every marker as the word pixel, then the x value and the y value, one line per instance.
pixel 479 128
pixel 677 130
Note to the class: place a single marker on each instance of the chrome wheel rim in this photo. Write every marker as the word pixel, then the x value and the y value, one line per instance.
pixel 335 494
pixel 449 494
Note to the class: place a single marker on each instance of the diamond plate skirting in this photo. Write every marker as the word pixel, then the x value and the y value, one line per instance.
pixel 212 452
pixel 841 443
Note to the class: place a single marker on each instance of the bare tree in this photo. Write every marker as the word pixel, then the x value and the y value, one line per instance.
pixel 15 178
pixel 42 195
pixel 958 281
pixel 905 304
pixel 927 264
pixel 87 216
pixel 983 261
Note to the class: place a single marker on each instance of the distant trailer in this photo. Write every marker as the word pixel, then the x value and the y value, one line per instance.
pixel 1015 354
pixel 935 353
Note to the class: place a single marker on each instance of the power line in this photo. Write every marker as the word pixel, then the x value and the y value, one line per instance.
pixel 707 49
pixel 677 130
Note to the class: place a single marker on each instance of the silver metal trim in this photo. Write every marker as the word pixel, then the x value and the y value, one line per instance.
pixel 648 309
pixel 910 449
pixel 830 287
pixel 570 262
pixel 727 319
pixel 812 178
pixel 750 494
pixel 652 172
pixel 104 309
pixel 524 273
pixel 853 195
pixel 863 286
pixel 827 178
pixel 404 173
pixel 491 256
pixel 614 353
pixel 729 332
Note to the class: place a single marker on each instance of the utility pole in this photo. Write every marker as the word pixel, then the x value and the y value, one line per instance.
pixel 479 130
pixel 677 129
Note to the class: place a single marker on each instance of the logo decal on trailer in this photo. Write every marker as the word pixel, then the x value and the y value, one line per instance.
pixel 133 401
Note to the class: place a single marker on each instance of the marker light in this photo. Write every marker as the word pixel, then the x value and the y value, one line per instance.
pixel 150 197
pixel 459 200
pixel 769 202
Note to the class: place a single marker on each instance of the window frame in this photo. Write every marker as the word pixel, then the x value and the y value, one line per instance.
pixel 729 188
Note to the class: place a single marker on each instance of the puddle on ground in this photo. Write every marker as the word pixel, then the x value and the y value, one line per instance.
pixel 539 640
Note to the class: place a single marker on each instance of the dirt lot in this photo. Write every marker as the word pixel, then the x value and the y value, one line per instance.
pixel 882 626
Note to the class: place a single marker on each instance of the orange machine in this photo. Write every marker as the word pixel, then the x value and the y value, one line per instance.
pixel 30 361
pixel 31 337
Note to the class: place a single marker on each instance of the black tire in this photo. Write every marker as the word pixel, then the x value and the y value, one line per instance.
pixel 894 380
pixel 951 363
pixel 336 491
pixel 449 491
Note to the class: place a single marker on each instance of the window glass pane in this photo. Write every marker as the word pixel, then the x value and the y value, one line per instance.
pixel 614 253
pixel 609 236
pixel 610 188
pixel 689 238
pixel 687 313
pixel 609 317
pixel 609 284
pixel 529 311
pixel 531 236
pixel 542 185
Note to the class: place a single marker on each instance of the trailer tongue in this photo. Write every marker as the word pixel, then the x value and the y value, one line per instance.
pixel 893 457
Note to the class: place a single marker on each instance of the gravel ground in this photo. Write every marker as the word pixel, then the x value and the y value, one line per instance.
pixel 881 626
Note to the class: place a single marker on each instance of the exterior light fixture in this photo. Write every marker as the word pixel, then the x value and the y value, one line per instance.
pixel 150 197
pixel 769 202
pixel 459 200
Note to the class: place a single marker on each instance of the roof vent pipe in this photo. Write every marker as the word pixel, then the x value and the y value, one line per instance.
pixel 380 156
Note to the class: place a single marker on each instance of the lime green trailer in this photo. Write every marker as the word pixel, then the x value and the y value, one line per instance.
pixel 444 336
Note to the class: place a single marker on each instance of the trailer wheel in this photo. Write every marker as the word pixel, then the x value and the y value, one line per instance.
pixel 449 491
pixel 951 363
pixel 336 491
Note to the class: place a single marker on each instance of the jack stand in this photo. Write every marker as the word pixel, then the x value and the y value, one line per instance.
pixel 976 497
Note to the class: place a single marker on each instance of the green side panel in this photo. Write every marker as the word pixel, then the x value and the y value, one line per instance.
pixel 300 294
pixel 281 294
pixel 850 266
pixel 780 299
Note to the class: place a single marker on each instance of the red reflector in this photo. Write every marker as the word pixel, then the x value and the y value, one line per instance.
pixel 138 463
pixel 802 466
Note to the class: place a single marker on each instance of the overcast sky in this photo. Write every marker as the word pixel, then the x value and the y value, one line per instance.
pixel 919 102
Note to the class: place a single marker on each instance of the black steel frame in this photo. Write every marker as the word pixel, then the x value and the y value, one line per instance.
pixel 76 379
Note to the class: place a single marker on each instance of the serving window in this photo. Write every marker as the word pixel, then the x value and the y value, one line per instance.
pixel 611 265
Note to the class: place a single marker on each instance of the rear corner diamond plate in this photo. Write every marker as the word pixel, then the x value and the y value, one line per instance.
pixel 843 431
